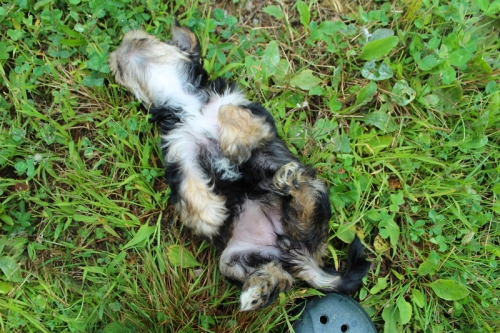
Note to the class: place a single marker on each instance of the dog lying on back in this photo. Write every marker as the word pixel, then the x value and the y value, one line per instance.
pixel 232 179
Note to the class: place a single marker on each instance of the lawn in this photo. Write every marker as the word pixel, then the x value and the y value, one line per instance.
pixel 396 104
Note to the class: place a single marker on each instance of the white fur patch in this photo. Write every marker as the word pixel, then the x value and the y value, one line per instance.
pixel 227 170
pixel 201 209
pixel 247 297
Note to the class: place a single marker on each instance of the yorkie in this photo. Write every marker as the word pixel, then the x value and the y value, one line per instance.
pixel 232 179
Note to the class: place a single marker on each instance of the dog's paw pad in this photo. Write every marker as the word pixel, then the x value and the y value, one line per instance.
pixel 288 177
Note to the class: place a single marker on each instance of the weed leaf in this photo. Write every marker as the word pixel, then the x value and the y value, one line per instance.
pixel 117 327
pixel 252 66
pixel 380 34
pixel 370 72
pixel 305 16
pixel 389 316
pixel 7 219
pixel 10 268
pixel 429 62
pixel 430 265
pixel 493 9
pixel 85 218
pixel 378 143
pixel 402 93
pixel 378 48
pixel 381 120
pixel 493 250
pixel 448 75
pixel 496 189
pixel 274 11
pixel 341 143
pixel 459 57
pixel 418 298
pixel 142 234
pixel 449 290
pixel 389 229
pixel 427 267
pixel 475 142
pixel 365 94
pixel 396 201
pixel 271 58
pixel 381 285
pixel 5 287
pixel 180 257
pixel 483 4
pixel 380 244
pixel 329 28
pixel 305 80
pixel 405 311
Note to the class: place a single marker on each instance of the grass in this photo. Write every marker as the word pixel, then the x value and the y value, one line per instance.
pixel 397 105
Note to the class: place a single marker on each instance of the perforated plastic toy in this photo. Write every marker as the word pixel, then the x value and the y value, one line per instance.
pixel 333 313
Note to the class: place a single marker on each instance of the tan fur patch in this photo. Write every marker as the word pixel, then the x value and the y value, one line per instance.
pixel 290 179
pixel 293 181
pixel 304 198
pixel 200 209
pixel 241 132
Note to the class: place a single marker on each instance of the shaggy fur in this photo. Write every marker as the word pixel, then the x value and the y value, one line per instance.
pixel 232 179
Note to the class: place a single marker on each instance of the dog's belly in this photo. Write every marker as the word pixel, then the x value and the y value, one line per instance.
pixel 257 226
pixel 254 236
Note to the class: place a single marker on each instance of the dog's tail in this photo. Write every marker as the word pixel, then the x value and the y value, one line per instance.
pixel 307 269
pixel 357 267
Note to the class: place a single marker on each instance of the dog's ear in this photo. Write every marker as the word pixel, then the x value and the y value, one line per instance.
pixel 185 39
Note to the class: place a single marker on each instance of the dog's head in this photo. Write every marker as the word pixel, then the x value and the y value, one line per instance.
pixel 157 72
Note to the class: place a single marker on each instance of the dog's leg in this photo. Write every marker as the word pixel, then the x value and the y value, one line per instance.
pixel 241 131
pixel 199 207
pixel 305 206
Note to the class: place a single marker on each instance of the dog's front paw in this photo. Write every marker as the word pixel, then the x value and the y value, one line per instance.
pixel 288 178
pixel 263 286
pixel 241 132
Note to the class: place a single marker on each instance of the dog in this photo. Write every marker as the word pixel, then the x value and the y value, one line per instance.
pixel 233 181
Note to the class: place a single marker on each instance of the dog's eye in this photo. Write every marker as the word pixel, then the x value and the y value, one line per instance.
pixel 254 301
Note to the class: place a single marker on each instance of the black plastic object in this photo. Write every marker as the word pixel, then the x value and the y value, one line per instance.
pixel 333 313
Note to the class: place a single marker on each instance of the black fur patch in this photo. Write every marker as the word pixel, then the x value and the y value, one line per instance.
pixel 165 117
pixel 173 177
pixel 357 267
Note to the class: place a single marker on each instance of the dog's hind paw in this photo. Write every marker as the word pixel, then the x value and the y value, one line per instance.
pixel 263 286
